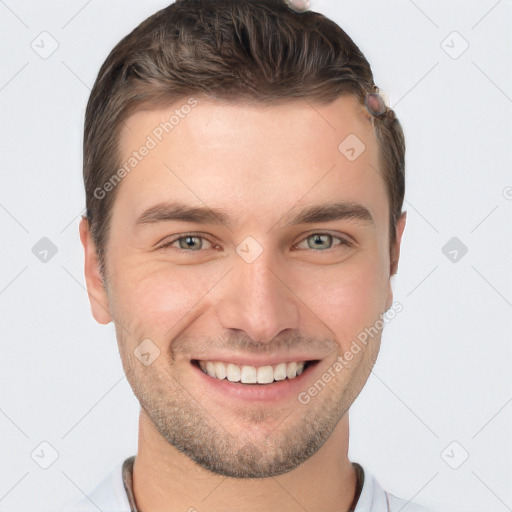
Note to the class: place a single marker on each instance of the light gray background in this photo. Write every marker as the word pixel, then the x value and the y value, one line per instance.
pixel 443 374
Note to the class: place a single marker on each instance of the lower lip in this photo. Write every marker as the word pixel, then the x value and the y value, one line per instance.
pixel 277 391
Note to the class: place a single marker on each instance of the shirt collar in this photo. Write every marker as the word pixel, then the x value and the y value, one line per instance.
pixel 128 482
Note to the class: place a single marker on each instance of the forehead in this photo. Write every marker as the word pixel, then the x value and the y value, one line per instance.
pixel 250 160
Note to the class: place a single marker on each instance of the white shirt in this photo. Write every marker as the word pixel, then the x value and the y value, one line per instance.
pixel 110 496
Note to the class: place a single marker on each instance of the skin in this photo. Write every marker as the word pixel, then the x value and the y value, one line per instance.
pixel 197 448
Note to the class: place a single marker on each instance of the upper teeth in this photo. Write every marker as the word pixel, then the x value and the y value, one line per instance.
pixel 251 374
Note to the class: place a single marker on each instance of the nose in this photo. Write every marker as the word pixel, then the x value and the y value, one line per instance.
pixel 258 299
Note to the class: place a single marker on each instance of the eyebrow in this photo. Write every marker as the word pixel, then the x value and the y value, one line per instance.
pixel 325 212
pixel 330 211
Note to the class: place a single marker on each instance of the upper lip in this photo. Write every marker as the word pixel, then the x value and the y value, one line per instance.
pixel 263 360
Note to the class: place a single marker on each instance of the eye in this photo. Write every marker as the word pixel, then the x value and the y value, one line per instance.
pixel 193 242
pixel 188 242
pixel 323 241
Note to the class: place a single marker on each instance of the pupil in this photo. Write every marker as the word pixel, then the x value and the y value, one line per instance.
pixel 319 240
pixel 189 240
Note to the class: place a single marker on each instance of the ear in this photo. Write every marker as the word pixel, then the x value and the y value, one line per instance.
pixel 395 255
pixel 95 289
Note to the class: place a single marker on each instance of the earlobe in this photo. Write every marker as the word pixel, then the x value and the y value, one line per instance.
pixel 95 289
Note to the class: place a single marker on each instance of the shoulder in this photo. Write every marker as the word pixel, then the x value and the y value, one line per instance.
pixel 374 498
pixel 109 495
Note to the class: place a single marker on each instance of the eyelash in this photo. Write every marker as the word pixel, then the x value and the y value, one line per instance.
pixel 343 241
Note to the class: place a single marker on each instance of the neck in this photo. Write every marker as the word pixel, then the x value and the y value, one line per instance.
pixel 164 479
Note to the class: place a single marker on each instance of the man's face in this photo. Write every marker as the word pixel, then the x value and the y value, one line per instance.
pixel 261 289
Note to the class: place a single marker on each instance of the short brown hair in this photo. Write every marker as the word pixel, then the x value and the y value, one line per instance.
pixel 256 51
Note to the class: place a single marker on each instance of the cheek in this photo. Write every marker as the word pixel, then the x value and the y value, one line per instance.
pixel 155 298
pixel 347 298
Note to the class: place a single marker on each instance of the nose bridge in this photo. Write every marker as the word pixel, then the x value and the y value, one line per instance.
pixel 256 300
